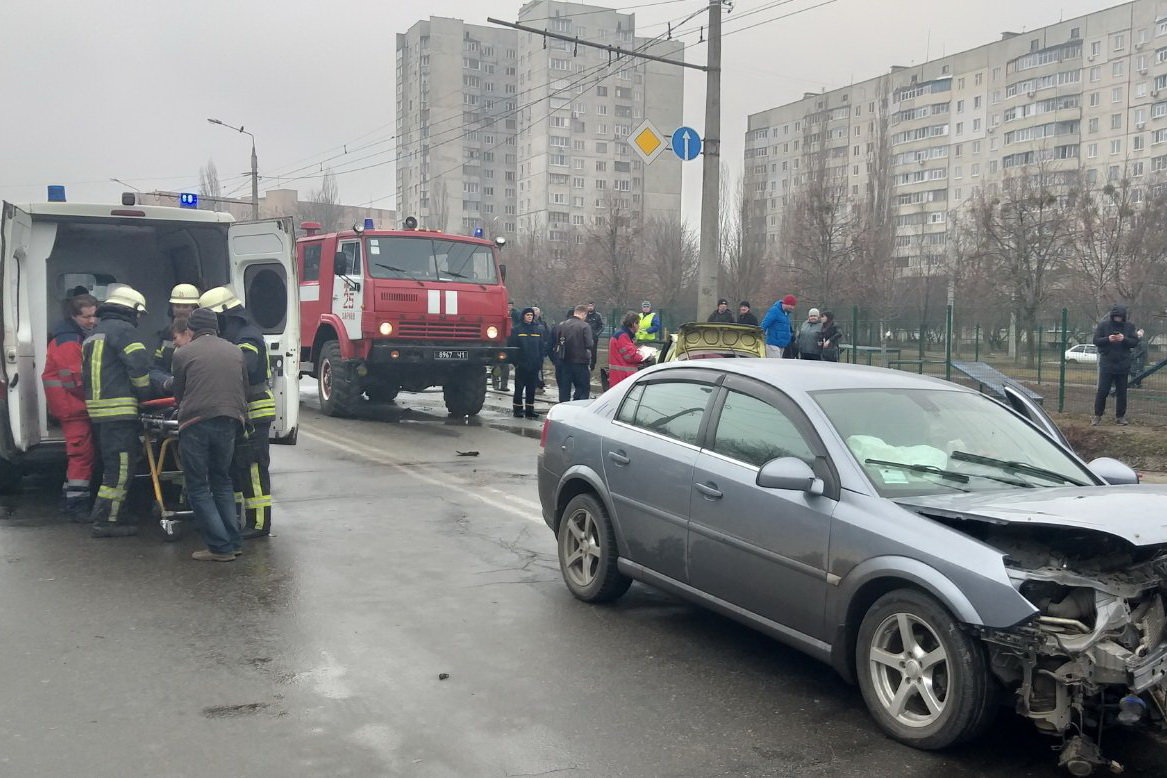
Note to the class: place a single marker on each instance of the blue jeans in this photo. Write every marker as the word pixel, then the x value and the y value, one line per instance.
pixel 206 448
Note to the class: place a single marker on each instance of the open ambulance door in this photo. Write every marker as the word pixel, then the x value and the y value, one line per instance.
pixel 20 376
pixel 263 274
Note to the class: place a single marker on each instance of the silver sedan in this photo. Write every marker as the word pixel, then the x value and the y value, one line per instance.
pixel 945 551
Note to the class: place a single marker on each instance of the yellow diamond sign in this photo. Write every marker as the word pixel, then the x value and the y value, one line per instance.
pixel 647 141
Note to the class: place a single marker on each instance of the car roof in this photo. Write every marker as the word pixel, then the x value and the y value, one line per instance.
pixel 812 376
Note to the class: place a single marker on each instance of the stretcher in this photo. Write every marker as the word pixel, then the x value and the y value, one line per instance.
pixel 160 441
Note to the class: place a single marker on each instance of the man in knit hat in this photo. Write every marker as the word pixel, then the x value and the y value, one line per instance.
pixel 210 384
pixel 777 326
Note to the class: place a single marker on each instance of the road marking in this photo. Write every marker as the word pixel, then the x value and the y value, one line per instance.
pixel 519 507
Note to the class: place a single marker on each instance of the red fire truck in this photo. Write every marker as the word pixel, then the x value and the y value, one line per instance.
pixel 389 310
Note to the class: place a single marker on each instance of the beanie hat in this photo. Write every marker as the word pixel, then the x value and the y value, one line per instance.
pixel 789 300
pixel 723 301
pixel 203 320
pixel 813 312
pixel 744 304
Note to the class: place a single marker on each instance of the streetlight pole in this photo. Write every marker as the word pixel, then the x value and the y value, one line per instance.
pixel 709 261
pixel 254 167
pixel 123 183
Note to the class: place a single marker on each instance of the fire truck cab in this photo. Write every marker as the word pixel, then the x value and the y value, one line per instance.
pixel 390 310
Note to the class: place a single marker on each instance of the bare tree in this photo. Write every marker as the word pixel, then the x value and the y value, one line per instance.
pixel 1104 222
pixel 209 184
pixel 1026 232
pixel 324 206
pixel 744 244
pixel 439 208
pixel 1143 266
pixel 610 254
pixel 818 226
pixel 670 252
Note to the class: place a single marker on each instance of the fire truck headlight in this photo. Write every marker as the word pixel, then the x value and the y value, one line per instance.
pixel 386 328
pixel 492 332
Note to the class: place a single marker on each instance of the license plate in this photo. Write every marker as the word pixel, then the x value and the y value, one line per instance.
pixel 452 355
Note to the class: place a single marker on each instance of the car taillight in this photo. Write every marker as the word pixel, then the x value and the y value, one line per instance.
pixel 543 434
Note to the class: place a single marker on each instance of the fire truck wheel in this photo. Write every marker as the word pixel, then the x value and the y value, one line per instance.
pixel 10 477
pixel 465 391
pixel 339 390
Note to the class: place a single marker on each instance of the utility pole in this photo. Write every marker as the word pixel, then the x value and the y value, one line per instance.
pixel 709 261
pixel 254 167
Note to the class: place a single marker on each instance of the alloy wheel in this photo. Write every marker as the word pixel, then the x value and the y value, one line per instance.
pixel 582 558
pixel 909 670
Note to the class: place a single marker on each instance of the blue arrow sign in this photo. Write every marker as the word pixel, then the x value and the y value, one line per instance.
pixel 686 143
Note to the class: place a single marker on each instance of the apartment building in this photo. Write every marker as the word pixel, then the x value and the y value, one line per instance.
pixel 456 126
pixel 576 168
pixel 1086 98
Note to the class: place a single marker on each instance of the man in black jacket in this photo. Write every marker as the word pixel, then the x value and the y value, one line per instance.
pixel 723 314
pixel 528 338
pixel 574 345
pixel 116 374
pixel 1115 337
pixel 596 322
pixel 210 384
pixel 745 315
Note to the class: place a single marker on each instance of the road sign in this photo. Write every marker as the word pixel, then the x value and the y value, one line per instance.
pixel 188 200
pixel 647 141
pixel 686 143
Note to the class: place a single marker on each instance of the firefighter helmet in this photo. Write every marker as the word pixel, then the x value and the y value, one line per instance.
pixel 184 294
pixel 127 297
pixel 219 299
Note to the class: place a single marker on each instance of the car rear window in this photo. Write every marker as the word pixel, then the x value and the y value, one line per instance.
pixel 671 408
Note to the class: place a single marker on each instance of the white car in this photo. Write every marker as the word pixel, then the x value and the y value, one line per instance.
pixel 1083 352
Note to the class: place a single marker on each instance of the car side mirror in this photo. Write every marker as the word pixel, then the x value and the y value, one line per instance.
pixel 340 264
pixel 790 473
pixel 502 271
pixel 1112 471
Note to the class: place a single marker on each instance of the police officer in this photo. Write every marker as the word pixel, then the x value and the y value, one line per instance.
pixel 253 479
pixel 184 298
pixel 115 372
pixel 649 329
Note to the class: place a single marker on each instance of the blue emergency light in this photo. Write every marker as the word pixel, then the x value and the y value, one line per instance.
pixel 56 193
pixel 188 199
pixel 479 232
pixel 368 224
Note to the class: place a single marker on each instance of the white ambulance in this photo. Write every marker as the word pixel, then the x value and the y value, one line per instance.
pixel 49 248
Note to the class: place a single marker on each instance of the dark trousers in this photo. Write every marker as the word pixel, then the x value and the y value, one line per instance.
pixel 1106 380
pixel 206 448
pixel 251 476
pixel 121 449
pixel 500 376
pixel 830 355
pixel 808 355
pixel 574 382
pixel 526 381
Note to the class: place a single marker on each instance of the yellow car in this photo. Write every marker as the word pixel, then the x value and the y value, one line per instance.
pixel 711 340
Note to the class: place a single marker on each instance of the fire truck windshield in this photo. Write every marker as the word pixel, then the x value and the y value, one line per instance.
pixel 426 259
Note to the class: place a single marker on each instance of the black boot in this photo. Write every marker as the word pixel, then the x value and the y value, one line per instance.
pixel 530 412
pixel 518 411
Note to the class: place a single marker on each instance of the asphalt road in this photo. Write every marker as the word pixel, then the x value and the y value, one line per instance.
pixel 395 561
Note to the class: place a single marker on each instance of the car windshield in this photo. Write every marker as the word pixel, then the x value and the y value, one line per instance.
pixel 427 259
pixel 929 441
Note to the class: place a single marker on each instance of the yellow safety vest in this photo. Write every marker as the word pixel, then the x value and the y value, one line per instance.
pixel 646 320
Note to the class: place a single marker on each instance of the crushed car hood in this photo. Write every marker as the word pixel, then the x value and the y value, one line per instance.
pixel 1135 513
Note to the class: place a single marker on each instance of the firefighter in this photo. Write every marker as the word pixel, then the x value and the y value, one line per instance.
pixel 184 298
pixel 116 367
pixel 65 397
pixel 251 468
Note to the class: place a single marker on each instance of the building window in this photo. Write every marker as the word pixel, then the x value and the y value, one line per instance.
pixel 1116 121
pixel 1116 146
pixel 1116 95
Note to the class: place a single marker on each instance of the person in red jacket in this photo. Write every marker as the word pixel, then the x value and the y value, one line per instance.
pixel 65 396
pixel 623 355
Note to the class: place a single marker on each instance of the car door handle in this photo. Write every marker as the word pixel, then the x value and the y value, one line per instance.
pixel 709 491
pixel 618 458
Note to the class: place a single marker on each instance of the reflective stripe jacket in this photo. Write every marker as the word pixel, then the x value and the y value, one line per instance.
pixel 164 354
pixel 244 333
pixel 623 357
pixel 649 327
pixel 116 367
pixel 62 375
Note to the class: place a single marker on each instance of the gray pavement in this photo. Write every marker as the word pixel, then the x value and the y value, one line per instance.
pixel 395 560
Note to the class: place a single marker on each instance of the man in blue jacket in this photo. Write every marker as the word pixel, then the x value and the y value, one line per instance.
pixel 777 326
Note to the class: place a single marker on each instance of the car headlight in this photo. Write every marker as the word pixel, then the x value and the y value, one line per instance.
pixel 492 332
pixel 386 328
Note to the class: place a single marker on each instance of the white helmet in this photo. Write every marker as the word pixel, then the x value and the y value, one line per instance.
pixel 184 294
pixel 127 297
pixel 219 299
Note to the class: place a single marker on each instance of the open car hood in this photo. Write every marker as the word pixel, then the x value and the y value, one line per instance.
pixel 701 338
pixel 1135 513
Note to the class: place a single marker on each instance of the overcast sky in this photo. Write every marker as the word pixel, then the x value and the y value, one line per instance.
pixel 98 90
